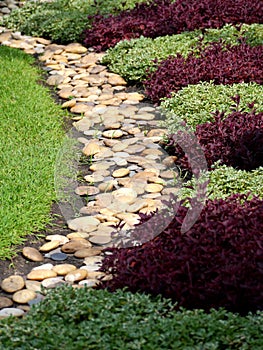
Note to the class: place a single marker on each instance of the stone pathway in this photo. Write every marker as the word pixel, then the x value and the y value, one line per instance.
pixel 125 173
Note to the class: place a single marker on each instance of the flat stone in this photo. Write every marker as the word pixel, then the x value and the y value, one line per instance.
pixel 32 254
pixel 62 239
pixel 47 247
pixel 120 161
pixel 84 253
pixel 12 284
pixel 55 79
pixel 94 178
pixel 6 312
pixel 126 195
pixel 87 190
pixel 156 132
pixel 101 166
pixel 76 48
pixel 115 79
pixel 132 149
pixel 76 276
pixel 69 104
pixel 52 282
pixel 77 235
pixel 112 134
pixel 64 269
pixel 39 275
pixel 121 172
pixel 91 148
pixel 138 205
pixel 118 147
pixel 106 186
pixel 135 96
pixel 153 188
pixel 5 302
pixel 82 223
pixel 80 108
pixel 65 93
pixel 130 218
pixel 47 266
pixel 83 125
pixel 24 296
pixel 35 286
pixel 89 283
pixel 100 240
pixel 58 256
pixel 75 245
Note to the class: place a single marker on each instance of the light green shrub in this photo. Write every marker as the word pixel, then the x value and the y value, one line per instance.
pixel 225 181
pixel 196 103
pixel 131 59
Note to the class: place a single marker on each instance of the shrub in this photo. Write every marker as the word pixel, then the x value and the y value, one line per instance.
pixel 89 319
pixel 166 17
pixel 61 20
pixel 133 58
pixel 234 64
pixel 194 104
pixel 235 140
pixel 217 263
pixel 224 181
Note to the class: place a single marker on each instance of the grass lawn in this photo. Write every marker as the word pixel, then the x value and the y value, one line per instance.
pixel 31 131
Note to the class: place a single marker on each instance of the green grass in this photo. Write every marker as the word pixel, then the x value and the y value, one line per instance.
pixel 96 319
pixel 30 136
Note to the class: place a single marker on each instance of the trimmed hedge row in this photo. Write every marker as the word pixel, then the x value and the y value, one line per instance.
pixel 87 319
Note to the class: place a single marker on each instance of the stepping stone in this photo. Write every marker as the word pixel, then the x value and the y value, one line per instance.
pixel 6 312
pixel 100 240
pixel 24 296
pixel 32 254
pixel 40 275
pixel 5 302
pixel 121 172
pixel 84 253
pixel 58 256
pixel 82 223
pixel 47 247
pixel 112 134
pixel 13 284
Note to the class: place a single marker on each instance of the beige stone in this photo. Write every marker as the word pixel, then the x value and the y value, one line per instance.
pixel 121 172
pixel 77 235
pixel 35 286
pixel 65 93
pixel 69 104
pixel 91 148
pixel 100 240
pixel 13 283
pixel 76 48
pixel 82 223
pixel 56 237
pixel 32 254
pixel 86 252
pixel 5 302
pixel 83 124
pixel 153 188
pixel 39 275
pixel 126 195
pixel 49 246
pixel 115 79
pixel 75 245
pixel 76 276
pixel 86 190
pixel 64 269
pixel 24 296
pixel 80 108
pixel 112 134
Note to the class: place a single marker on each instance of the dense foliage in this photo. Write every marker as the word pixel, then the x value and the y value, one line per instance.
pixel 167 17
pixel 62 21
pixel 223 181
pixel 235 140
pixel 133 58
pixel 195 104
pixel 234 64
pixel 217 263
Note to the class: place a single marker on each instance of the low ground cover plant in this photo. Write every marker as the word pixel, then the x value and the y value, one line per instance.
pixel 133 59
pixel 235 140
pixel 92 319
pixel 222 65
pixel 196 104
pixel 62 21
pixel 167 17
pixel 223 181
pixel 31 132
pixel 216 263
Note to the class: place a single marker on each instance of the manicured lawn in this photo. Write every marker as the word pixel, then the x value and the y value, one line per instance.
pixel 30 135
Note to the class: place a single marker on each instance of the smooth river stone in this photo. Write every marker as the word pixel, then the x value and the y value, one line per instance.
pixel 47 266
pixel 35 286
pixel 82 223
pixel 91 148
pixel 75 245
pixel 112 134
pixel 87 190
pixel 47 247
pixel 153 188
pixel 64 269
pixel 5 302
pixel 76 276
pixel 100 240
pixel 89 283
pixel 40 275
pixel 62 239
pixel 32 254
pixel 12 284
pixel 24 296
pixel 11 311
pixel 52 282
pixel 126 195
pixel 87 252
pixel 121 172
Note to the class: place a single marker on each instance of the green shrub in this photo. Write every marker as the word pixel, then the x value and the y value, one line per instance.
pixel 196 103
pixel 90 319
pixel 131 59
pixel 62 21
pixel 225 181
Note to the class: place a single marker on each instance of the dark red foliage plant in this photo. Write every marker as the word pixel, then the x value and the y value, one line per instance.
pixel 166 17
pixel 235 140
pixel 223 65
pixel 217 263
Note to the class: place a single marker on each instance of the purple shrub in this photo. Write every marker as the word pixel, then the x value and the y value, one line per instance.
pixel 217 263
pixel 234 64
pixel 164 17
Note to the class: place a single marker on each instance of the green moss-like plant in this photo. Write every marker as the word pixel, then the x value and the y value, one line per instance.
pixel 99 320
pixel 62 21
pixel 195 104
pixel 223 181
pixel 132 59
